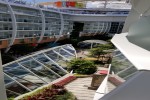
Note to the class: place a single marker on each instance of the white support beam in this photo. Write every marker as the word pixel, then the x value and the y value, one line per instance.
pixel 43 25
pixel 62 26
pixel 14 26
pixel 97 29
pixel 109 27
pixel 106 27
pixel 102 28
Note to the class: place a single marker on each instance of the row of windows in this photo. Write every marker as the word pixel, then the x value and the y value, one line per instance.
pixel 5 26
pixel 109 27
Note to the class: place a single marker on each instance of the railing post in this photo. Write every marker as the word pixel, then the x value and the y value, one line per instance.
pixel 2 84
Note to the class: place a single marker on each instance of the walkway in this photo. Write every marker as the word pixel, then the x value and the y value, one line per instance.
pixel 79 88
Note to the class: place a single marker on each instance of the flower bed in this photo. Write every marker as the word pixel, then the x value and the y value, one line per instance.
pixel 65 80
pixel 53 92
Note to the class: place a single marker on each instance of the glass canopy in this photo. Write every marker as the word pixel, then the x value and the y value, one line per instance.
pixel 121 66
pixel 30 72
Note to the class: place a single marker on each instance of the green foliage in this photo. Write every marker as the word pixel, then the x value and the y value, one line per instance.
pixel 82 66
pixel 106 46
pixel 11 98
pixel 100 49
pixel 81 75
pixel 97 51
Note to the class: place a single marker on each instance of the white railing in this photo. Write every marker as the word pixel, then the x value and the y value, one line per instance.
pixel 102 90
pixel 76 12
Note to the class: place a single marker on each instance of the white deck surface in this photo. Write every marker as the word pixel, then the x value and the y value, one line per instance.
pixel 79 88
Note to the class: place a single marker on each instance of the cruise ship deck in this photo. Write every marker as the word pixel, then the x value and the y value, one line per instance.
pixel 28 24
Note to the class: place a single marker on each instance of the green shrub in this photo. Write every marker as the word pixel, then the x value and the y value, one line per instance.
pixel 82 66
pixel 11 98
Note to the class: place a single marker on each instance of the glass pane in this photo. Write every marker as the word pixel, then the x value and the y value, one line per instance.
pixel 55 57
pixel 128 73
pixel 15 88
pixel 65 54
pixel 39 70
pixel 7 80
pixel 122 67
pixel 23 76
pixel 70 49
pixel 41 58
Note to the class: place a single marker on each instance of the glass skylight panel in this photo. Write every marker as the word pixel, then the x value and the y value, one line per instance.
pixel 7 80
pixel 22 75
pixel 70 49
pixel 40 70
pixel 11 86
pixel 52 55
pixel 65 54
pixel 121 66
pixel 32 72
pixel 128 72
pixel 48 63
pixel 58 59
pixel 19 90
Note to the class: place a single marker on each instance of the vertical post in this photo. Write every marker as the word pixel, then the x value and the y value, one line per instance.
pixel 105 4
pixel 91 45
pixel 2 84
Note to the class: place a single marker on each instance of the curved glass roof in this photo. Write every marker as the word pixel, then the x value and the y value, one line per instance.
pixel 33 71
pixel 121 66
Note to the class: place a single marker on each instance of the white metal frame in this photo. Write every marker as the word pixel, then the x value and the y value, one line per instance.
pixel 43 25
pixel 46 67
pixel 32 72
pixel 18 82
pixel 14 25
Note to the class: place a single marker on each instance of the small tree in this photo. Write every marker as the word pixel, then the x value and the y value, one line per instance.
pixel 82 66
pixel 106 46
pixel 98 52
